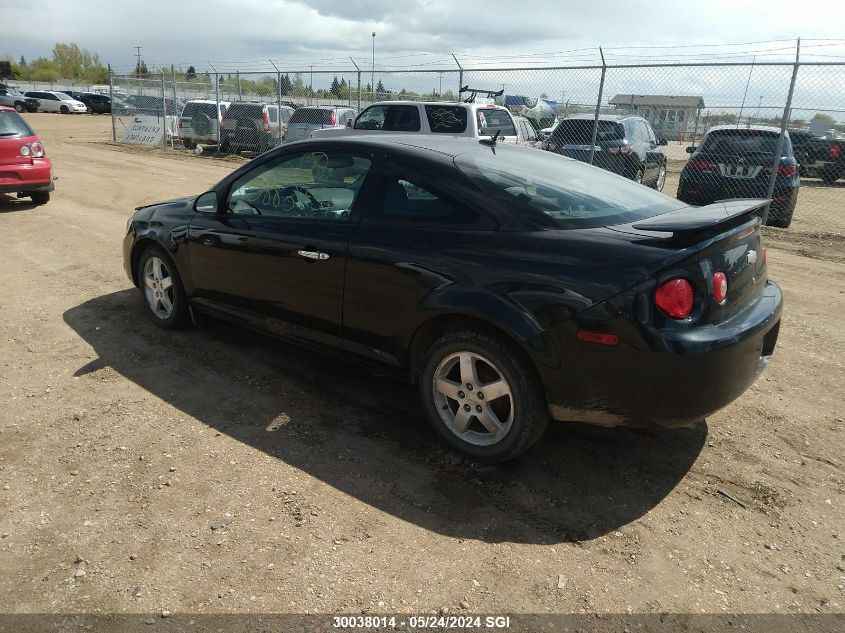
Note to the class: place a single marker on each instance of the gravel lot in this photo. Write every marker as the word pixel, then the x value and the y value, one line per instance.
pixel 213 470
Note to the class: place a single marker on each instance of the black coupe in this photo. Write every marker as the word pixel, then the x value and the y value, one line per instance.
pixel 513 285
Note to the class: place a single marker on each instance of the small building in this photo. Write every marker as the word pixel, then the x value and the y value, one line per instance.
pixel 671 116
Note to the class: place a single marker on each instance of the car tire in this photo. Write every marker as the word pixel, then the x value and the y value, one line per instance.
pixel 19 107
pixel 782 220
pixel 464 363
pixel 188 143
pixel 166 301
pixel 830 176
pixel 660 181
pixel 64 110
pixel 40 197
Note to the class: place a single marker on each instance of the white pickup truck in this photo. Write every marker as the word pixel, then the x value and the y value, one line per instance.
pixel 472 120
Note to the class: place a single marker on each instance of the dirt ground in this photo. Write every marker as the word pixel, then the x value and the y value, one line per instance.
pixel 214 470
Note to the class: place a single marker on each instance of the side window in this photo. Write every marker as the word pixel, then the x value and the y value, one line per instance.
pixel 404 200
pixel 531 134
pixel 274 115
pixel 446 119
pixel 309 185
pixel 402 118
pixel 372 118
pixel 650 134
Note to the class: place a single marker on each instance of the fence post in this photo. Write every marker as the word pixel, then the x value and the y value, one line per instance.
pixel 238 77
pixel 784 119
pixel 175 110
pixel 111 105
pixel 460 77
pixel 359 86
pixel 163 113
pixel 598 108
pixel 278 99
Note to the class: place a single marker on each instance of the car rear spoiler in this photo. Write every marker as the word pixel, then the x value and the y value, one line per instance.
pixel 694 219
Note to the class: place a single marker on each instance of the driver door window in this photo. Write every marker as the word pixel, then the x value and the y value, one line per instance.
pixel 309 185
pixel 371 119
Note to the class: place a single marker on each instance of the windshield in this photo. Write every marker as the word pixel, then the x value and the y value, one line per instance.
pixel 64 96
pixel 492 121
pixel 11 124
pixel 573 195
pixel 741 141
pixel 193 109
pixel 580 132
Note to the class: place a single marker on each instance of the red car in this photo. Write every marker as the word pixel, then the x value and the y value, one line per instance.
pixel 24 166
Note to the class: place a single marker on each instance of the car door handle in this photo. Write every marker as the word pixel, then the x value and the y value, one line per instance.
pixel 318 255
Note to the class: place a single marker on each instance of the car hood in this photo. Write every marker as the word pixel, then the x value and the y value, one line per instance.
pixel 177 205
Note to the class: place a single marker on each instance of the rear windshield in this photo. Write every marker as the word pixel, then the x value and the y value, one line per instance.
pixel 568 193
pixel 317 116
pixel 580 132
pixel 741 141
pixel 245 110
pixel 446 119
pixel 12 125
pixel 492 121
pixel 193 108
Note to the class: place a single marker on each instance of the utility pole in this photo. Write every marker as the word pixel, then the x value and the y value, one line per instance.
pixel 138 63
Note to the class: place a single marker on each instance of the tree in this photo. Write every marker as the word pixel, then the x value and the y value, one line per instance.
pixel 828 120
pixel 191 73
pixel 22 62
pixel 381 93
pixel 335 88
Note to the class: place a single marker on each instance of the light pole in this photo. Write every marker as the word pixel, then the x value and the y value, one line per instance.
pixel 311 85
pixel 373 72
pixel 758 107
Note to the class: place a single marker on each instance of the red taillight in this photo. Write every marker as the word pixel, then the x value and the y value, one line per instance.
pixel 266 117
pixel 675 298
pixel 333 118
pixel 720 287
pixel 602 338
pixel 701 164
pixel 787 170
pixel 835 151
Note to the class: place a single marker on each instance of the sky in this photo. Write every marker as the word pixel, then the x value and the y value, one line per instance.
pixel 232 33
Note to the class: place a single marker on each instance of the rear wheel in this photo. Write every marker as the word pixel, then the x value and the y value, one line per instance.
pixel 189 143
pixel 164 295
pixel 64 110
pixel 40 197
pixel 482 396
pixel 831 175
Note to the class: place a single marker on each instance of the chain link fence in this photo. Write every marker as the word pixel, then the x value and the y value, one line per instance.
pixel 701 131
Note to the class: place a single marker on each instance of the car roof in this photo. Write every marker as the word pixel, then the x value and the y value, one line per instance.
pixel 436 147
pixel 208 101
pixel 752 128
pixel 322 107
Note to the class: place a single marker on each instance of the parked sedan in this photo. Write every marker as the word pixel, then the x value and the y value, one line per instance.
pixel 734 162
pixel 625 145
pixel 14 98
pixel 53 101
pixel 25 169
pixel 512 285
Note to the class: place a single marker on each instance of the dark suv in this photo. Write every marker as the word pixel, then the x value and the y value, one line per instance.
pixel 625 145
pixel 734 162
pixel 253 126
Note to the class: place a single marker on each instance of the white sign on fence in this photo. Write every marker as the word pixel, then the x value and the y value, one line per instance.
pixel 145 130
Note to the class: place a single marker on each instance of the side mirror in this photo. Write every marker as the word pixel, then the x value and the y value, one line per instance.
pixel 349 123
pixel 662 141
pixel 206 203
pixel 691 149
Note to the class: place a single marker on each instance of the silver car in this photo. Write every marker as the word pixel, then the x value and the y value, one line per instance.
pixel 307 119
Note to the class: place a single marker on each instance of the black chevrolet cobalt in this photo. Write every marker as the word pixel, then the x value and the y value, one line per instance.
pixel 512 285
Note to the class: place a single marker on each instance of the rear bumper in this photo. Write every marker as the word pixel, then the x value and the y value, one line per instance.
pixel 675 378
pixel 36 176
pixel 699 194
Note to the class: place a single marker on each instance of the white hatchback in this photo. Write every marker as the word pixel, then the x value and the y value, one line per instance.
pixel 52 101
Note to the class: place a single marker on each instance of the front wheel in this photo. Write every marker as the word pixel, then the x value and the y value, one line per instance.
pixel 189 143
pixel 481 394
pixel 638 177
pixel 661 178
pixel 19 107
pixel 164 295
pixel 64 110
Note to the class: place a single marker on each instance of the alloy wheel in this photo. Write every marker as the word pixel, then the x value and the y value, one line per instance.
pixel 473 398
pixel 158 288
